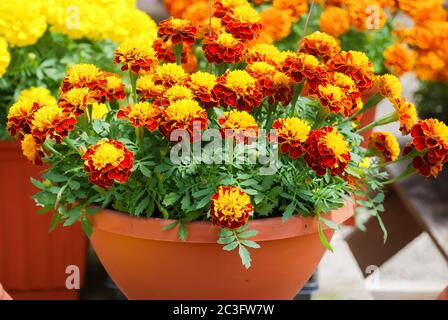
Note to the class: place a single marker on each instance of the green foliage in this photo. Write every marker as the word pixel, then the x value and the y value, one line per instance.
pixel 432 100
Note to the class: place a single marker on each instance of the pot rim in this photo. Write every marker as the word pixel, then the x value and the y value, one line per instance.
pixel 205 232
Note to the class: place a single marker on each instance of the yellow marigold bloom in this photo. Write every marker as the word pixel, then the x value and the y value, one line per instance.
pixel 5 56
pixel 365 163
pixel 406 113
pixel 291 134
pixel 430 66
pixel 22 22
pixel 276 23
pixel 204 27
pixel 183 114
pixel 243 22
pixel 99 110
pixel 202 84
pixel 260 69
pixel 53 122
pixel 240 125
pixel 399 59
pixel 263 52
pixel 320 44
pixel 40 95
pixel 177 92
pixel 137 54
pixel 197 13
pixel 177 30
pixel 32 150
pixel 386 145
pixel 230 208
pixel 389 85
pixel 170 74
pixel 142 114
pixel 423 11
pixel 86 76
pixel 75 100
pixel 295 8
pixel 334 21
pixel 361 17
pixel 147 88
pixel 20 116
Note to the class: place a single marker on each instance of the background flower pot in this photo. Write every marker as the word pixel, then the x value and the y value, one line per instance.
pixel 148 263
pixel 32 261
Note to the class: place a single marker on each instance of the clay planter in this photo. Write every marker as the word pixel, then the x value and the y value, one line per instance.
pixel 368 116
pixel 33 262
pixel 3 294
pixel 148 263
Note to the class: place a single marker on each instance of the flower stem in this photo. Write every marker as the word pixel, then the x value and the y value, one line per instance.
pixel 373 101
pixel 321 116
pixel 50 148
pixel 409 156
pixel 297 89
pixel 133 79
pixel 410 170
pixel 139 136
pixel 380 122
pixel 178 52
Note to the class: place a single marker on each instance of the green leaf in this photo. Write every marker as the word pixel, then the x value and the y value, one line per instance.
pixel 330 224
pixel 142 206
pixel 231 246
pixel 226 240
pixel 183 232
pixel 245 256
pixel 45 210
pixel 251 192
pixel 145 171
pixel 289 211
pixel 322 237
pixel 54 221
pixel 171 198
pixel 170 226
pixel 379 198
pixel 202 192
pixel 86 226
pixel 203 202
pixel 38 184
pixel 250 244
pixel 247 234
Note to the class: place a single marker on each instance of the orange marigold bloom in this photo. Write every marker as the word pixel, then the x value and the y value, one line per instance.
pixel 39 95
pixel 115 87
pixel 350 90
pixel 20 117
pixel 202 84
pixel 148 89
pixel 86 76
pixel 223 6
pixel 223 48
pixel 137 54
pixel 389 86
pixel 230 208
pixel 304 66
pixel 320 44
pixel 386 145
pixel 238 89
pixel 430 66
pixel 184 115
pixel 326 149
pixel 260 69
pixel 177 30
pixel 334 21
pixel 196 12
pixel 243 22
pixel 107 161
pixel 406 113
pixel 170 74
pixel 216 27
pixel 276 23
pixel 239 125
pixel 278 88
pixel 165 51
pixel 53 122
pixel 32 150
pixel 143 114
pixel 292 134
pixel 295 8
pixel 75 100
pixel 430 139
pixel 263 52
pixel 399 59
pixel 360 15
pixel 354 64
pixel 334 99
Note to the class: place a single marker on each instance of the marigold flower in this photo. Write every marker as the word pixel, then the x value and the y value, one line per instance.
pixel 240 125
pixel 53 122
pixel 177 31
pixel 278 88
pixel 223 6
pixel 136 54
pixel 295 8
pixel 39 95
pixel 196 12
pixel 202 84
pixel 176 92
pixel 320 44
pixel 291 134
pixel 334 21
pixel 147 88
pixel 243 22
pixel 430 139
pixel 170 74
pixel 238 89
pixel 115 87
pixel 354 64
pixel 205 28
pixel 5 56
pixel 326 149
pixel 386 145
pixel 350 91
pixel 407 114
pixel 276 23
pixel 399 59
pixel 359 13
pixel 223 48
pixel 389 86
pixel 430 66
pixel 74 101
pixel 184 115
pixel 107 161
pixel 333 98
pixel 230 208
pixel 86 76
pixel 32 150
pixel 142 114
pixel 304 66
pixel 263 53
pixel 260 69
pixel 20 117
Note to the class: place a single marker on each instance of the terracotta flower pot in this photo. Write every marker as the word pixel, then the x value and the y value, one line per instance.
pixel 33 262
pixel 148 263
pixel 368 116
pixel 3 294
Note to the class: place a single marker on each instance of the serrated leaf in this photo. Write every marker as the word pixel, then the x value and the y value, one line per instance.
pixel 250 244
pixel 183 232
pixel 38 184
pixel 247 234
pixel 226 240
pixel 379 198
pixel 170 226
pixel 289 211
pixel 145 171
pixel 86 226
pixel 171 198
pixel 142 206
pixel 54 221
pixel 245 256
pixel 231 246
